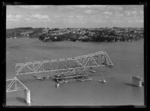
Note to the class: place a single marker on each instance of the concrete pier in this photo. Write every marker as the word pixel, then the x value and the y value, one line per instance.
pixel 28 96
pixel 137 81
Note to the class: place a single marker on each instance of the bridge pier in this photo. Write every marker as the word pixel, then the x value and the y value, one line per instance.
pixel 27 96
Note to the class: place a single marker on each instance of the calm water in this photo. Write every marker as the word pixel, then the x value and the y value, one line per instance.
pixel 126 56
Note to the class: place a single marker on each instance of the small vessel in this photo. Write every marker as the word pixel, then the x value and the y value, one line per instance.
pixel 62 81
pixel 57 85
pixel 66 81
pixel 102 81
pixel 38 78
pixel 137 81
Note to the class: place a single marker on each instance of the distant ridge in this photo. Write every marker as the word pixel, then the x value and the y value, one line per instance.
pixel 78 34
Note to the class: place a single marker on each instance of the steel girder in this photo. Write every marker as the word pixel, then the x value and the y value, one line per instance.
pixel 90 60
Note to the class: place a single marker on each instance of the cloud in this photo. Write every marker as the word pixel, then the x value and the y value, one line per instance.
pixel 108 13
pixel 28 19
pixel 56 16
pixel 116 8
pixel 130 13
pixel 96 7
pixel 74 19
pixel 63 15
pixel 33 6
pixel 79 16
pixel 89 11
pixel 69 20
pixel 39 16
pixel 134 12
pixel 99 21
pixel 141 12
pixel 70 16
pixel 135 21
pixel 107 16
pixel 119 14
pixel 139 21
pixel 18 16
pixel 90 6
pixel 13 17
pixel 116 21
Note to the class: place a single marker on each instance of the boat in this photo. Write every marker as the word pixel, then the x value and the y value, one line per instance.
pixel 38 78
pixel 82 80
pixel 102 81
pixel 57 85
pixel 66 81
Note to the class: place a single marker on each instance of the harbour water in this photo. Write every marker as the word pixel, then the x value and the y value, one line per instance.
pixel 127 58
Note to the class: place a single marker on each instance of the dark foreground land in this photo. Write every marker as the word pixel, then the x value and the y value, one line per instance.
pixel 126 56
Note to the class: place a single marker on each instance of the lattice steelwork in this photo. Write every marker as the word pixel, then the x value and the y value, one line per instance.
pixel 14 84
pixel 81 62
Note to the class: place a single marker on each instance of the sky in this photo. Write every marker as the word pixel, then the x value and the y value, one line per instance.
pixel 74 16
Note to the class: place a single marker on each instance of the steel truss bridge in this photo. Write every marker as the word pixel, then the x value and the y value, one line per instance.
pixel 71 66
pixel 66 64
pixel 14 84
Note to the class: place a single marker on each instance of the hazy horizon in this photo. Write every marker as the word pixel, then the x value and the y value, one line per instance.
pixel 74 16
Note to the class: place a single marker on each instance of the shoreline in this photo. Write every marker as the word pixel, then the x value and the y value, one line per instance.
pixel 90 41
